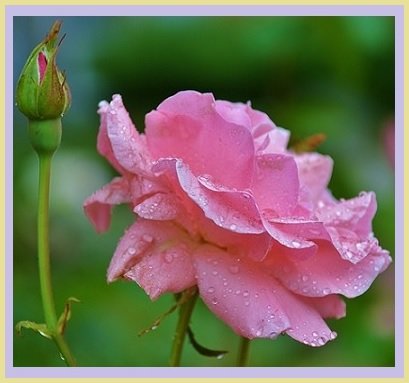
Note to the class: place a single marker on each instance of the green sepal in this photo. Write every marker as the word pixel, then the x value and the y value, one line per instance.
pixel 66 314
pixel 41 328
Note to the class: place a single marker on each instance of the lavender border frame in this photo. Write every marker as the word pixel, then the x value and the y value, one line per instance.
pixel 396 11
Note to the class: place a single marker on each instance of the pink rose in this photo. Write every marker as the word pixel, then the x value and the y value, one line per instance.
pixel 221 203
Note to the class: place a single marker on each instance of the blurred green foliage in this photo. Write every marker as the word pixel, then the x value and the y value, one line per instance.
pixel 332 75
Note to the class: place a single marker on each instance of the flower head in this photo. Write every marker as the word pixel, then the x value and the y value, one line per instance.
pixel 221 203
pixel 42 92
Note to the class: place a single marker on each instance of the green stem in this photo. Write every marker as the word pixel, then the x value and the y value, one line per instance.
pixel 185 313
pixel 44 257
pixel 243 352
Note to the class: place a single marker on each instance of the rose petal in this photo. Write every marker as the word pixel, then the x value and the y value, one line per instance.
pixel 239 294
pixel 275 185
pixel 160 207
pixel 128 146
pixel 233 210
pixel 326 272
pixel 103 143
pixel 155 254
pixel 184 125
pixel 330 306
pixel 307 325
pixel 98 206
pixel 349 224
pixel 314 171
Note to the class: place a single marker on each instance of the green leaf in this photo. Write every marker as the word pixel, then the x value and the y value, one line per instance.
pixel 203 350
pixel 41 328
pixel 66 315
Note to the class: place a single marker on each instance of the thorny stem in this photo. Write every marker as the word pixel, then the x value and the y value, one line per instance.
pixel 185 312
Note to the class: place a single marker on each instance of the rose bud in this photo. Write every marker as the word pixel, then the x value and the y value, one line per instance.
pixel 42 92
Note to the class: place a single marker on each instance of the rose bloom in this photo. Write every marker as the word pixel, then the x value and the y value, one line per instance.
pixel 221 203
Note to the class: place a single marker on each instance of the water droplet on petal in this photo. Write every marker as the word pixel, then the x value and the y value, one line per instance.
pixel 321 341
pixel 326 291
pixel 168 258
pixel 147 238
pixel 304 278
pixel 246 293
pixel 132 250
pixel 234 269
pixel 210 290
pixel 233 227
pixel 273 335
pixel 296 244
pixel 333 335
pixel 214 300
pixel 314 334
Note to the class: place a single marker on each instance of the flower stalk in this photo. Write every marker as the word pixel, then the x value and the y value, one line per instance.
pixel 185 312
pixel 243 354
pixel 43 96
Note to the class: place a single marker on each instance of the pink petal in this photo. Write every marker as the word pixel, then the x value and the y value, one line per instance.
pixel 156 255
pixel 275 185
pixel 252 302
pixel 128 146
pixel 276 141
pixel 326 272
pixel 230 209
pixel 330 306
pixel 160 206
pixel 314 171
pixel 184 125
pixel 307 325
pixel 239 294
pixel 354 214
pixel 103 143
pixel 349 224
pixel 98 206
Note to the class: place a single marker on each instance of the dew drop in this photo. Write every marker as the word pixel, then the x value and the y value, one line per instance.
pixel 314 334
pixel 132 250
pixel 246 293
pixel 214 300
pixel 234 269
pixel 168 258
pixel 258 333
pixel 333 335
pixel 327 291
pixel 214 272
pixel 273 335
pixel 237 292
pixel 233 226
pixel 246 303
pixel 348 254
pixel 321 341
pixel 210 290
pixel 296 244
pixel 147 238
pixel 304 278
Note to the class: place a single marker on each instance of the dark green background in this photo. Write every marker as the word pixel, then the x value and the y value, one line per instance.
pixel 332 75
